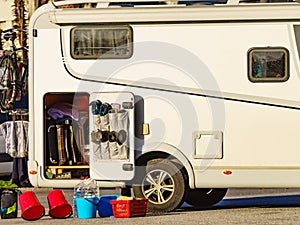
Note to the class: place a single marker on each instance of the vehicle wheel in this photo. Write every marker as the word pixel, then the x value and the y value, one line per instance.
pixel 204 197
pixel 162 184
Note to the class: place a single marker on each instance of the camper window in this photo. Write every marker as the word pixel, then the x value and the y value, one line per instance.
pixel 101 42
pixel 270 64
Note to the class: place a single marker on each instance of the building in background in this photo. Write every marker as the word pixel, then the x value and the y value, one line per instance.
pixel 6 16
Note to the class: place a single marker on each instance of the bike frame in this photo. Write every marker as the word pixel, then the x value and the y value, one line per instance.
pixel 15 81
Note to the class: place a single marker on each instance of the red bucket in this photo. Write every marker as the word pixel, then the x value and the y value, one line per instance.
pixel 58 205
pixel 31 208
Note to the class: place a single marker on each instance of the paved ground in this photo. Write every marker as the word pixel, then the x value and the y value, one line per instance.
pixel 240 206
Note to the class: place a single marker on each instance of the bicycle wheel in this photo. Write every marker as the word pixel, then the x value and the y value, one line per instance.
pixel 23 77
pixel 8 89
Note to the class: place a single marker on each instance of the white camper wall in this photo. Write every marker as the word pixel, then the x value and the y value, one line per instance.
pixel 258 123
pixel 222 53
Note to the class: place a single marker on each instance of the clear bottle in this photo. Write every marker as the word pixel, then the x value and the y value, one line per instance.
pixel 77 194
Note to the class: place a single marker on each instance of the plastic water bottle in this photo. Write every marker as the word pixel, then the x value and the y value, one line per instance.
pixel 77 194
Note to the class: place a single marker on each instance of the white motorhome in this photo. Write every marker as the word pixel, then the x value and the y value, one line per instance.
pixel 178 100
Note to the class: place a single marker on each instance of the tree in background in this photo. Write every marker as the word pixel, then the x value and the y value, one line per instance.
pixel 21 20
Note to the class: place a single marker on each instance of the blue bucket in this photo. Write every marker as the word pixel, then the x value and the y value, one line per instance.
pixel 104 207
pixel 86 207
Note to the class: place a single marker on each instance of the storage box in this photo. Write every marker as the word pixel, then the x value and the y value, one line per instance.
pixel 129 208
pixel 104 207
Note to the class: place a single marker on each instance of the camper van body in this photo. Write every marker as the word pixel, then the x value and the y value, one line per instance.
pixel 213 89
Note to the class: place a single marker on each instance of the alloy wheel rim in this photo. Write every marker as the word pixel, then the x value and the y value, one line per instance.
pixel 158 186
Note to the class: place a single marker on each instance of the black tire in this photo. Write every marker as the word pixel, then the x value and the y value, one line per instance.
pixel 8 84
pixel 163 195
pixel 204 197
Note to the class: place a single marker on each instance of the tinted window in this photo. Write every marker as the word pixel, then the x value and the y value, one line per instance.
pixel 268 64
pixel 102 42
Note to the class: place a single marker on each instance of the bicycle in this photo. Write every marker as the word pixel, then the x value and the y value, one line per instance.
pixel 13 73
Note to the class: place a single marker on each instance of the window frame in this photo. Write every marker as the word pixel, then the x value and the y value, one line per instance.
pixel 106 56
pixel 286 71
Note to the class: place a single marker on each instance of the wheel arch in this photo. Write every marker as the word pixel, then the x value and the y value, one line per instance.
pixel 166 151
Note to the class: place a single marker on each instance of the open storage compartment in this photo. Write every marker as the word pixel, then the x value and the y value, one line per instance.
pixel 89 135
pixel 66 144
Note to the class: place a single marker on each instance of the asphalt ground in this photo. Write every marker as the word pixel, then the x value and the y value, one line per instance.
pixel 240 206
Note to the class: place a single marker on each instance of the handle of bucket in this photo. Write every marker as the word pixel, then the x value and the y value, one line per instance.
pixel 95 204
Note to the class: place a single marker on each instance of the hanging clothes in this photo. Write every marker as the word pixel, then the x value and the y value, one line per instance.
pixel 16 141
pixel 19 174
pixel 16 137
